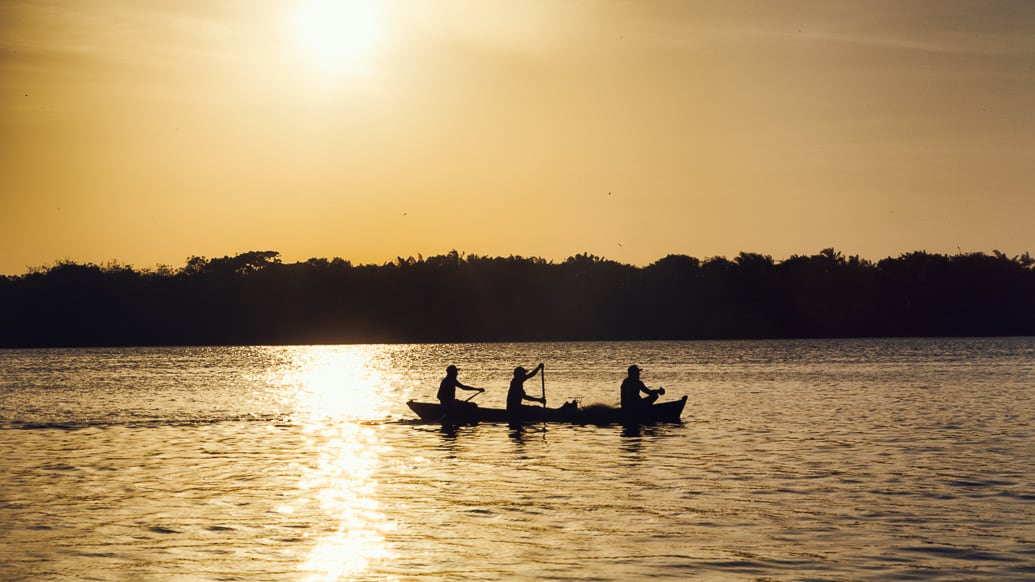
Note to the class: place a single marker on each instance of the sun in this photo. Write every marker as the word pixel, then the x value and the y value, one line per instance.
pixel 337 35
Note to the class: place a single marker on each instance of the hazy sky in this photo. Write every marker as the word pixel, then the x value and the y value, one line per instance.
pixel 145 132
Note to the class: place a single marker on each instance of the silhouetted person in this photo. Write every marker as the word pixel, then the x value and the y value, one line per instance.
pixel 631 388
pixel 447 393
pixel 515 409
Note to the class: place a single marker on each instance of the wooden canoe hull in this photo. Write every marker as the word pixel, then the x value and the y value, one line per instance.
pixel 435 412
pixel 569 413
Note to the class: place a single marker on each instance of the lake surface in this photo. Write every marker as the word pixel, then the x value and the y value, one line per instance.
pixel 899 459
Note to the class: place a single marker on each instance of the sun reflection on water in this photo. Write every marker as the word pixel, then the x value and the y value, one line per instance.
pixel 342 480
pixel 335 388
pixel 337 382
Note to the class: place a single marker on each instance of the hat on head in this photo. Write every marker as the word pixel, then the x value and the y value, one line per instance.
pixel 452 368
pixel 633 369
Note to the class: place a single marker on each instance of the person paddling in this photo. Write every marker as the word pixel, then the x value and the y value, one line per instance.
pixel 631 388
pixel 447 393
pixel 515 409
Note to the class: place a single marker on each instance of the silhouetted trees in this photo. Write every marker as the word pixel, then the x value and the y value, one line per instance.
pixel 254 298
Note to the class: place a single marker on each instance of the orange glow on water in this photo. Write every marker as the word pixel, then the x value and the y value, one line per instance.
pixel 334 389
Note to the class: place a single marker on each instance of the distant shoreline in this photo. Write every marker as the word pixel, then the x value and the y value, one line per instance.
pixel 255 299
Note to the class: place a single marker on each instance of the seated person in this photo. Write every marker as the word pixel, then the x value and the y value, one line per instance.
pixel 447 393
pixel 515 409
pixel 631 388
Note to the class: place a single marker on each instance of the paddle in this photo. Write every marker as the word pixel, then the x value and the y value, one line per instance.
pixel 542 377
pixel 473 395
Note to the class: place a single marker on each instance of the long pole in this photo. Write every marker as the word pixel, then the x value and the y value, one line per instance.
pixel 542 377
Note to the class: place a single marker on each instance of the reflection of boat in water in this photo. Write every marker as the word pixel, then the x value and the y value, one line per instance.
pixel 569 412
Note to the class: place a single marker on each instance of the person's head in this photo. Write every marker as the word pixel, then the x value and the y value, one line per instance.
pixel 520 372
pixel 451 370
pixel 634 370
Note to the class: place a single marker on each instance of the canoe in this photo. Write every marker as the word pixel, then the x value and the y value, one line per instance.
pixel 671 411
pixel 435 412
pixel 570 412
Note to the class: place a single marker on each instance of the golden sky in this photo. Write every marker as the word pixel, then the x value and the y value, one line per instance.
pixel 144 132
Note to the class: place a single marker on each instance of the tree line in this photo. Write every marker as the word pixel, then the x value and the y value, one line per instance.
pixel 255 298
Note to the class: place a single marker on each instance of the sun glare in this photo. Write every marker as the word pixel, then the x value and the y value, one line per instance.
pixel 337 35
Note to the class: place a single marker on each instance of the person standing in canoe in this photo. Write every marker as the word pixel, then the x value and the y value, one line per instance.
pixel 631 388
pixel 447 392
pixel 516 394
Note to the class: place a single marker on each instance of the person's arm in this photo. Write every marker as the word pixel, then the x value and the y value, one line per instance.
pixel 645 390
pixel 537 369
pixel 650 391
pixel 459 385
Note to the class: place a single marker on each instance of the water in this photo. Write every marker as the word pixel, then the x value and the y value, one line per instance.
pixel 834 460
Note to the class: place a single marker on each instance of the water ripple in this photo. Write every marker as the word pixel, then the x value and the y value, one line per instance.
pixel 796 461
